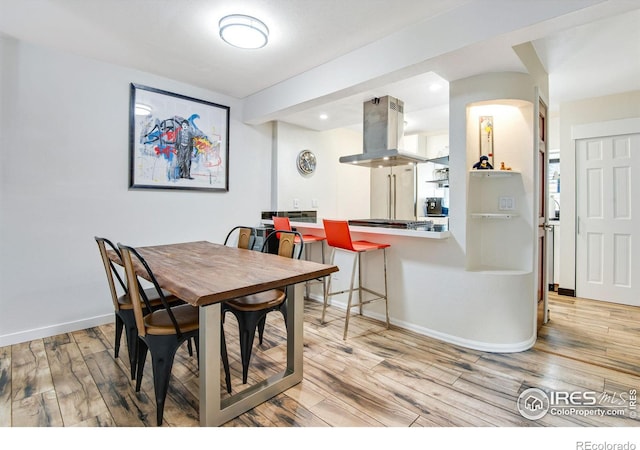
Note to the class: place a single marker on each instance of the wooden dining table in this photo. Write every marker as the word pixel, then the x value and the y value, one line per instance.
pixel 204 275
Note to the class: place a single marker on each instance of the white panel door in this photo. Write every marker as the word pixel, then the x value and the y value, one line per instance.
pixel 608 228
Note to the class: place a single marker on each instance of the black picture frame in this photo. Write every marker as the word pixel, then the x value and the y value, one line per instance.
pixel 486 138
pixel 177 142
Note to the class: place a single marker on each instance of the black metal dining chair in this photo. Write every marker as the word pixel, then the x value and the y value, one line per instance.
pixel 251 310
pixel 161 332
pixel 123 308
pixel 246 237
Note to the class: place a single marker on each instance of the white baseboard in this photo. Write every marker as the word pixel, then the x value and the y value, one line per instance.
pixel 39 333
pixel 456 340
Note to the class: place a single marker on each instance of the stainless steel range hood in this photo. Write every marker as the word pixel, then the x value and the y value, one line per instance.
pixel 383 130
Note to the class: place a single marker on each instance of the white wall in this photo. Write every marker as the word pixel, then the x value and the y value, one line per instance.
pixel 600 109
pixel 507 297
pixel 64 179
pixel 341 190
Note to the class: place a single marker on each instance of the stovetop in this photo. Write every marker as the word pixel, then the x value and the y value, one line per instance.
pixel 394 223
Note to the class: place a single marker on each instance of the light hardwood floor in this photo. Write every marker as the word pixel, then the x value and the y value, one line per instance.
pixel 377 378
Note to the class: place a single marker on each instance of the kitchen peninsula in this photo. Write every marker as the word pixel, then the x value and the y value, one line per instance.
pixel 428 288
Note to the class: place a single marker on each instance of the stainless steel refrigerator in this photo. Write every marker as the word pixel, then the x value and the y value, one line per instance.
pixel 393 192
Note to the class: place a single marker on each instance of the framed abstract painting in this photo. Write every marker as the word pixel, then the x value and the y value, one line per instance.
pixel 177 142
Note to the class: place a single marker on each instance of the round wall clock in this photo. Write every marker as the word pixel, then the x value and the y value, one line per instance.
pixel 306 162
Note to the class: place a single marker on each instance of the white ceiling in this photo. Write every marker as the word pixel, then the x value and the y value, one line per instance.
pixel 589 47
pixel 594 59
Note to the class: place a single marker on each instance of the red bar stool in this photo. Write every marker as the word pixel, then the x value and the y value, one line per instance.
pixel 339 237
pixel 282 223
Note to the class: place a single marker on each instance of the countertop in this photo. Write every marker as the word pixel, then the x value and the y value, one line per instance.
pixel 375 230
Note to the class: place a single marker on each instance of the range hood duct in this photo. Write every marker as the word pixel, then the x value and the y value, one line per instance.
pixel 383 132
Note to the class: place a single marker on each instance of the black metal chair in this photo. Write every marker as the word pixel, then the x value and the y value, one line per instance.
pixel 251 310
pixel 246 237
pixel 123 307
pixel 162 331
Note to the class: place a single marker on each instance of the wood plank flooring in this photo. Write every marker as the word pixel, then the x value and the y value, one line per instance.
pixel 377 378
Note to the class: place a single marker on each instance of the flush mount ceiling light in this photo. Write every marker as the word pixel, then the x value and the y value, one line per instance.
pixel 243 31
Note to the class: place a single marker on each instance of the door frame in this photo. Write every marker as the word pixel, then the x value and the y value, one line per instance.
pixel 541 211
